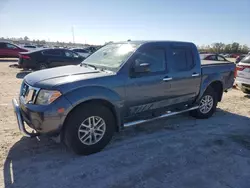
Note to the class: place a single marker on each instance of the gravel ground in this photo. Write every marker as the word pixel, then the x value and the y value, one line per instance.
pixel 175 152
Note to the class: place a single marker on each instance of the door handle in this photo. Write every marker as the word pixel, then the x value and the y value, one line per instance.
pixel 167 79
pixel 195 74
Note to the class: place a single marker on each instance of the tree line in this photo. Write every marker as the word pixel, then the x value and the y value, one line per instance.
pixel 219 47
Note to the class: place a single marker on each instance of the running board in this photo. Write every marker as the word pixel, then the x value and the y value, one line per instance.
pixel 132 123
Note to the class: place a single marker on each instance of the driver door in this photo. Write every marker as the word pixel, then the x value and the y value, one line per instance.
pixel 146 91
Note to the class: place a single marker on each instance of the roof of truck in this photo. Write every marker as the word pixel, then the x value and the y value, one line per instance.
pixel 153 41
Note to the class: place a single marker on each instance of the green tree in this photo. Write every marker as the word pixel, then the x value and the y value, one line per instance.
pixel 235 47
pixel 26 38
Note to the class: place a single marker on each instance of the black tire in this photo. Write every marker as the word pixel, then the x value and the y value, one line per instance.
pixel 77 117
pixel 42 66
pixel 201 115
pixel 245 90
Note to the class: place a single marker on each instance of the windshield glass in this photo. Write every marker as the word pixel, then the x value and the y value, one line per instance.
pixel 111 56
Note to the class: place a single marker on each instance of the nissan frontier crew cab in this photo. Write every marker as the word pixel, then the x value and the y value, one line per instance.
pixel 119 85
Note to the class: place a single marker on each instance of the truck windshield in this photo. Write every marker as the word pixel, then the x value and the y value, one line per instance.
pixel 111 56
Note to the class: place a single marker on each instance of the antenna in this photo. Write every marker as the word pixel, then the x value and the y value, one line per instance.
pixel 73 34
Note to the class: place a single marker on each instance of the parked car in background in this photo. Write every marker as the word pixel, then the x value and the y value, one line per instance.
pixel 91 49
pixel 82 52
pixel 10 50
pixel 213 57
pixel 47 58
pixel 121 84
pixel 239 58
pixel 234 55
pixel 29 46
pixel 226 55
pixel 243 74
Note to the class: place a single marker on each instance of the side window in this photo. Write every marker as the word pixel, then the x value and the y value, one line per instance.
pixel 84 51
pixel 52 52
pixel 211 57
pixel 221 58
pixel 155 57
pixel 68 54
pixel 182 60
pixel 2 45
pixel 10 46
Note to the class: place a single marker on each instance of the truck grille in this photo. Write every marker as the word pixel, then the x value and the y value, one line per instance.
pixel 28 93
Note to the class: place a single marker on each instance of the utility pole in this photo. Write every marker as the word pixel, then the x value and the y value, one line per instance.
pixel 73 34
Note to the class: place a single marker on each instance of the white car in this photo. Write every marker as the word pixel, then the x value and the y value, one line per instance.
pixel 81 52
pixel 243 74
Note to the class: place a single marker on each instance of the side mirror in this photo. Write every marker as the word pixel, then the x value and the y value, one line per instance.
pixel 141 67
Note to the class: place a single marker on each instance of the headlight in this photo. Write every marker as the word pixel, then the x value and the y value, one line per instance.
pixel 46 97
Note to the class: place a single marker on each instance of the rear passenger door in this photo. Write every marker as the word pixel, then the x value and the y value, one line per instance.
pixel 184 73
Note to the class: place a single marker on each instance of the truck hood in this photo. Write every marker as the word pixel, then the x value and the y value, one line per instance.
pixel 65 74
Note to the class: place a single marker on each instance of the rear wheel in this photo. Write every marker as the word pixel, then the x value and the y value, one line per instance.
pixel 207 105
pixel 89 128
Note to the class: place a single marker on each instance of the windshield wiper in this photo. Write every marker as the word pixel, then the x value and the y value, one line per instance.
pixel 89 65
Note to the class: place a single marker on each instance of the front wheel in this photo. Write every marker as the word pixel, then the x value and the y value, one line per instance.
pixel 42 66
pixel 207 105
pixel 89 128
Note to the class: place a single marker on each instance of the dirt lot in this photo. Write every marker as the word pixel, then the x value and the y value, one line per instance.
pixel 176 152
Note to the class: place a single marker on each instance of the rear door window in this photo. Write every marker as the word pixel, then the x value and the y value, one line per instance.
pixel 182 59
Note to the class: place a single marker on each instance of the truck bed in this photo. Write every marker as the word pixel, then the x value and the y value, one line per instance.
pixel 222 70
pixel 209 62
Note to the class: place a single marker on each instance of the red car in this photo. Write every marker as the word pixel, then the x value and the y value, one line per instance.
pixel 10 50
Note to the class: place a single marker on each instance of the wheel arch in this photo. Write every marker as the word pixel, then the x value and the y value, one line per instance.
pixel 217 86
pixel 98 101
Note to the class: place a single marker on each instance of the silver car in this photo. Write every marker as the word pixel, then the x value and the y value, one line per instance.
pixel 243 75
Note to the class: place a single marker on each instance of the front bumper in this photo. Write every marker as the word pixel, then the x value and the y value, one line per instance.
pixel 20 121
pixel 44 120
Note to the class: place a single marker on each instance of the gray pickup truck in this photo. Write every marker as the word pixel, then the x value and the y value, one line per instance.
pixel 119 85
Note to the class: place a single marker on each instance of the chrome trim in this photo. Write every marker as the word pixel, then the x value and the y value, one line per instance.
pixel 159 117
pixel 195 75
pixel 20 120
pixel 167 79
pixel 34 95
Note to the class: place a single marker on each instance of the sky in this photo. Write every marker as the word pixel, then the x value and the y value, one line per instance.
pixel 98 21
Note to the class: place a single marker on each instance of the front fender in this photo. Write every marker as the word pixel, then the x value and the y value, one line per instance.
pixel 88 93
